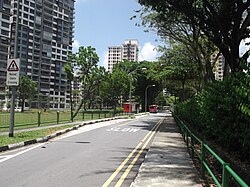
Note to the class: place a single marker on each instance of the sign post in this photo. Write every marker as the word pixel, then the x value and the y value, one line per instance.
pixel 12 81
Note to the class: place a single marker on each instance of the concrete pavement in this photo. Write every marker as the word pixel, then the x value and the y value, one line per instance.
pixel 167 163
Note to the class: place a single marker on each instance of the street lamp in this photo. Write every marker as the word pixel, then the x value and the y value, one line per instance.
pixel 146 95
pixel 130 86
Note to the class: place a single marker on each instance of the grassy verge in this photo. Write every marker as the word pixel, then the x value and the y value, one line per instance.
pixel 29 119
pixel 24 136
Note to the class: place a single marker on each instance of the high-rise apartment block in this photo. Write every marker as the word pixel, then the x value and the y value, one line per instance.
pixel 219 63
pixel 41 36
pixel 5 7
pixel 128 51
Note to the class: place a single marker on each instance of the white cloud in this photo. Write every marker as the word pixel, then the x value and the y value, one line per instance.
pixel 148 52
pixel 75 45
pixel 244 47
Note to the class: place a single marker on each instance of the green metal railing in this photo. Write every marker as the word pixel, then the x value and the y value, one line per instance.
pixel 34 119
pixel 200 149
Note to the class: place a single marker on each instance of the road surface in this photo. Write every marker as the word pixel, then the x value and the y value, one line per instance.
pixel 102 154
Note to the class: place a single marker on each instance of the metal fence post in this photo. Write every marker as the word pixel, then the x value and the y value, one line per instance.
pixel 202 160
pixel 92 115
pixel 225 176
pixel 192 146
pixel 39 118
pixel 83 115
pixel 57 117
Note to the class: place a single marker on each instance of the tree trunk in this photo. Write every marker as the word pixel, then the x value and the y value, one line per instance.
pixel 22 105
pixel 78 109
pixel 71 103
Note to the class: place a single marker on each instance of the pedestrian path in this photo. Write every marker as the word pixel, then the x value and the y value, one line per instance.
pixel 167 163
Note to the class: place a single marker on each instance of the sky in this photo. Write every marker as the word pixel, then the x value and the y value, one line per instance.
pixel 104 23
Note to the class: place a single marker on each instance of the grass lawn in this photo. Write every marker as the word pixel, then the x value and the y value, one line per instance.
pixel 30 119
pixel 24 136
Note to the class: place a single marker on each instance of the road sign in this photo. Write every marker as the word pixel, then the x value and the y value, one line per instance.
pixel 13 72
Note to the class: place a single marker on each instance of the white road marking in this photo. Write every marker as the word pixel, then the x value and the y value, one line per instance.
pixel 21 152
pixel 118 129
pixel 86 128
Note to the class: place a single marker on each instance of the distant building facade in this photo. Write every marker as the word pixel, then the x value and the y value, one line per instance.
pixel 41 36
pixel 5 13
pixel 128 51
pixel 219 63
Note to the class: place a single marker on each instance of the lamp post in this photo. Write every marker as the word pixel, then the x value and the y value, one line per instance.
pixel 130 87
pixel 146 95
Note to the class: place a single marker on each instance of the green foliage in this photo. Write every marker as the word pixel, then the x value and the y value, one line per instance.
pixel 161 99
pixel 140 77
pixel 170 100
pixel 204 16
pixel 115 85
pixel 177 71
pixel 119 109
pixel 30 135
pixel 83 65
pixel 216 113
pixel 243 91
pixel 26 89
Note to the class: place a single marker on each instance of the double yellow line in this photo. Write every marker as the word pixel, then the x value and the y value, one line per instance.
pixel 148 137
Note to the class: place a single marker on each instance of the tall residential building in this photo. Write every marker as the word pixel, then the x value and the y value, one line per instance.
pixel 128 51
pixel 41 36
pixel 219 62
pixel 5 7
pixel 114 56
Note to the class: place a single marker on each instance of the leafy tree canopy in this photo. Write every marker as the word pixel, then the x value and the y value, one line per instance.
pixel 225 23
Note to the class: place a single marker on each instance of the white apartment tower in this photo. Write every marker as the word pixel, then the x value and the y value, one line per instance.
pixel 41 36
pixel 128 51
pixel 114 56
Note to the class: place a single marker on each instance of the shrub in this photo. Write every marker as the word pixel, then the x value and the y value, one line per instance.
pixel 217 114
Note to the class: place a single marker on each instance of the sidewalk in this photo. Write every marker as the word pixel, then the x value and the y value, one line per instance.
pixel 167 163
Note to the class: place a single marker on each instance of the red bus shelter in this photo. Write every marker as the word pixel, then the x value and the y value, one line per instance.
pixel 130 107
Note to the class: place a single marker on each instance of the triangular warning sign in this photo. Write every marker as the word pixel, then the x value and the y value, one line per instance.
pixel 13 66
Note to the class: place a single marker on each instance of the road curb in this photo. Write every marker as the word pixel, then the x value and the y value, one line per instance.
pixel 47 138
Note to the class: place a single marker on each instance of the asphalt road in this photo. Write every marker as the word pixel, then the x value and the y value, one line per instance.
pixel 102 154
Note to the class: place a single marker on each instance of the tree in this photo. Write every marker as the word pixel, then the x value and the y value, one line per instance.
pixel 69 70
pixel 225 23
pixel 91 90
pixel 138 75
pixel 26 90
pixel 115 85
pixel 83 65
pixel 174 27
pixel 178 72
